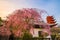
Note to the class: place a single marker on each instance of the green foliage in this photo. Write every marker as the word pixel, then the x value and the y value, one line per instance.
pixel 53 37
pixel 27 36
pixel 0 21
pixel 57 30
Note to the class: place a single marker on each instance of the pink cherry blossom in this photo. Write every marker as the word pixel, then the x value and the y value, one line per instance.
pixel 22 19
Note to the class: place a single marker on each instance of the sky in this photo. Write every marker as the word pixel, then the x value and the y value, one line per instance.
pixel 51 6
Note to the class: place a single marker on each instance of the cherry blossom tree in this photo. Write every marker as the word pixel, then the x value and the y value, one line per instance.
pixel 23 19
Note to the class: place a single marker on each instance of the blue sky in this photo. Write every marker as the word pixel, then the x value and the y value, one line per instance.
pixel 51 6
